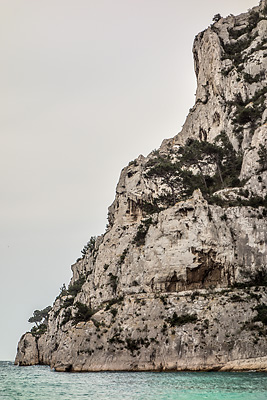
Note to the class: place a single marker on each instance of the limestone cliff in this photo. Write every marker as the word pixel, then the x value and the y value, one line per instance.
pixel 178 280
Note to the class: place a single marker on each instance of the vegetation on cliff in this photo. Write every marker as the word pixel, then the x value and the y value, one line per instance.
pixel 40 319
pixel 180 274
pixel 197 165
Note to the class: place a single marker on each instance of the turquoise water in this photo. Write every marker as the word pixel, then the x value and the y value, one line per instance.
pixel 39 382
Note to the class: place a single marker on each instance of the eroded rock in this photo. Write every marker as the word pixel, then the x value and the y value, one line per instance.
pixel 178 281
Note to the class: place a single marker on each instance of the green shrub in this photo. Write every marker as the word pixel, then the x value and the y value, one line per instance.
pixel 132 344
pixel 40 317
pixel 63 290
pixel 182 320
pixel 168 171
pixel 67 317
pixel 216 17
pixel 113 301
pixel 259 278
pixel 222 154
pixel 226 72
pixel 257 201
pixel 236 33
pixel 39 330
pixel 68 302
pixel 243 115
pixel 194 295
pixel 233 51
pixel 164 300
pixel 181 182
pixel 260 46
pixel 142 230
pixel 114 312
pixel 262 153
pixel 151 207
pixel 106 267
pixel 123 256
pixel 76 287
pixel 116 339
pixel 206 324
pixel 254 18
pixel 261 314
pixel 254 201
pixel 164 329
pixel 83 313
pixel 134 163
pixel 113 280
pixel 235 298
pixel 89 246
pixel 244 193
pixel 251 79
pixel 251 114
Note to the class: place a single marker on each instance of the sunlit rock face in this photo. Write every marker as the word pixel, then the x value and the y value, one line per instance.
pixel 178 280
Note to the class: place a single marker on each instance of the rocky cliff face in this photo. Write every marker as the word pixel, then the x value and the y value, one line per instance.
pixel 178 280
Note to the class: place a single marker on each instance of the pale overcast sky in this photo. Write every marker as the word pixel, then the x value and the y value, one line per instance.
pixel 86 86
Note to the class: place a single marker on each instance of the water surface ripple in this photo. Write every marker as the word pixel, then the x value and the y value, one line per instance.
pixel 40 382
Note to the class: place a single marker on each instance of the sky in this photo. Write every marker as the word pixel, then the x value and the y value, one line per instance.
pixel 86 86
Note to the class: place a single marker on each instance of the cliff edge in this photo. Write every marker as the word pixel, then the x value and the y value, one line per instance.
pixel 178 280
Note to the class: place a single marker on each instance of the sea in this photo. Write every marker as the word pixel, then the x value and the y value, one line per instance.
pixel 40 382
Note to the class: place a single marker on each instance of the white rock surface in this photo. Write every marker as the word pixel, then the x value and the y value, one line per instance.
pixel 167 300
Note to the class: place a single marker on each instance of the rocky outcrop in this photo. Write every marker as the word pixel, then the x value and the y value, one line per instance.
pixel 178 280
pixel 27 353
